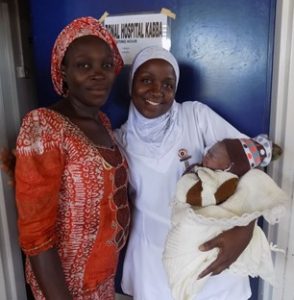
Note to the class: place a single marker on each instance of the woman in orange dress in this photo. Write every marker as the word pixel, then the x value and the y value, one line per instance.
pixel 71 179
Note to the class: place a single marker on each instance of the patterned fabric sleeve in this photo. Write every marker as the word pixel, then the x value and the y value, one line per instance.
pixel 39 167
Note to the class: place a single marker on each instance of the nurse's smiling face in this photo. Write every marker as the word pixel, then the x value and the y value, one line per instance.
pixel 154 87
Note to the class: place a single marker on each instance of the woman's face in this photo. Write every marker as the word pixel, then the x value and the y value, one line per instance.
pixel 154 87
pixel 88 71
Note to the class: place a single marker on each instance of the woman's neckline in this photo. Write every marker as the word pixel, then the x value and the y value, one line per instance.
pixel 68 120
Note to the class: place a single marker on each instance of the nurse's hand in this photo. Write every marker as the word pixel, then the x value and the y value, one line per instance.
pixel 231 244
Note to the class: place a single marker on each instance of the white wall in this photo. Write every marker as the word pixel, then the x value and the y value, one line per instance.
pixel 282 127
pixel 11 277
pixel 16 97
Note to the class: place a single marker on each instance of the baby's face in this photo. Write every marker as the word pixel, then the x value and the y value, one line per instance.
pixel 217 157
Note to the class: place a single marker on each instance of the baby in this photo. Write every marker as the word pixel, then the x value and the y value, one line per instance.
pixel 227 190
pixel 234 155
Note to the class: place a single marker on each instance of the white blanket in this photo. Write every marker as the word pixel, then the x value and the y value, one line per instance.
pixel 256 195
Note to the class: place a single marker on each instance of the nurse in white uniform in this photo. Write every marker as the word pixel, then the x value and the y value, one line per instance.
pixel 157 137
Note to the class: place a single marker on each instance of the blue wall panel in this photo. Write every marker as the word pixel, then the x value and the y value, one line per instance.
pixel 227 46
pixel 224 48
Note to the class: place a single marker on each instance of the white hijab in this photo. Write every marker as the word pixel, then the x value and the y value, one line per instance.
pixel 150 138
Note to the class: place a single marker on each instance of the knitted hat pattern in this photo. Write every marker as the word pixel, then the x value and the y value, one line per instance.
pixel 246 154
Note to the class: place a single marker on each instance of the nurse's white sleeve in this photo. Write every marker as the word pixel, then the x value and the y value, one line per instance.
pixel 213 127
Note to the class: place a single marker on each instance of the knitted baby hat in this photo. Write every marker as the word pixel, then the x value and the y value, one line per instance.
pixel 246 154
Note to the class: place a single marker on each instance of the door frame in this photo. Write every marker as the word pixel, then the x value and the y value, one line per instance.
pixel 281 131
pixel 12 284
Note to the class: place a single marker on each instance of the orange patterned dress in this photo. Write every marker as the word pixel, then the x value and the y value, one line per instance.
pixel 72 195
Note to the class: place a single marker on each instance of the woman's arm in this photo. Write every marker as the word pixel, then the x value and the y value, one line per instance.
pixel 231 244
pixel 49 274
pixel 38 176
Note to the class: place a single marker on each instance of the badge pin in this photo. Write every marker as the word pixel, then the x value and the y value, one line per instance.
pixel 184 156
